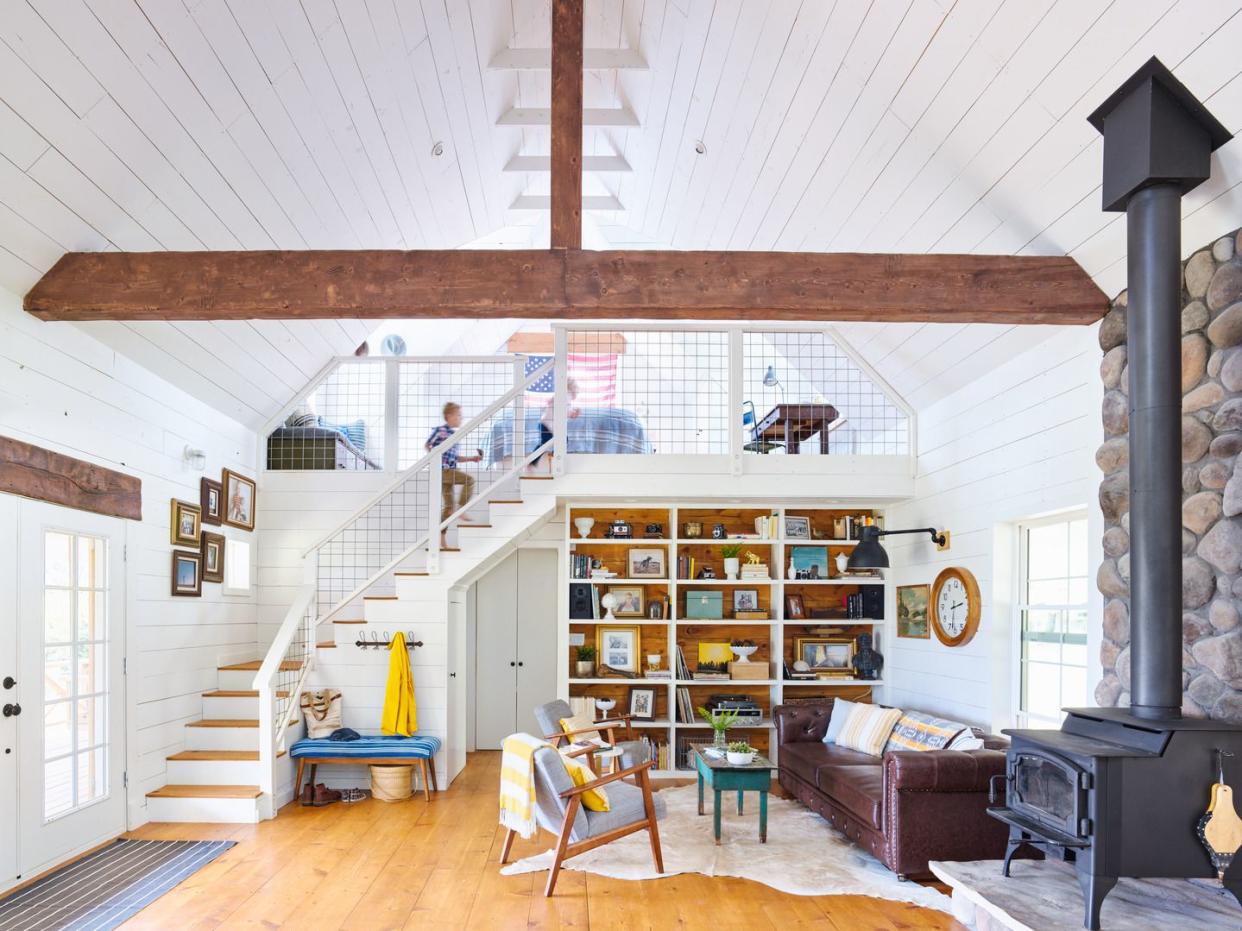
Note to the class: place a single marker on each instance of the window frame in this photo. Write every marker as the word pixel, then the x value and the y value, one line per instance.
pixel 1021 606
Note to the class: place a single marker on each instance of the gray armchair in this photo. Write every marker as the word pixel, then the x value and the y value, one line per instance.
pixel 559 810
pixel 616 732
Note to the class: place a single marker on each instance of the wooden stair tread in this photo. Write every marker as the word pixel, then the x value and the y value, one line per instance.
pixel 325 646
pixel 378 598
pixel 505 501
pixel 225 722
pixel 238 693
pixel 206 792
pixel 349 622
pixel 232 756
pixel 414 573
pixel 535 478
pixel 289 665
pixel 471 526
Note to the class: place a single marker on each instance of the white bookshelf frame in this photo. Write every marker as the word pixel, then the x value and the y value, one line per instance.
pixel 778 688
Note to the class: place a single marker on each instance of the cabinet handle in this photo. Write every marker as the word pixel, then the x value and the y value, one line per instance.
pixel 9 682
pixel 511 663
pixel 520 663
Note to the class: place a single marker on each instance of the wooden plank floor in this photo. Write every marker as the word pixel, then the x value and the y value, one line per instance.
pixel 375 865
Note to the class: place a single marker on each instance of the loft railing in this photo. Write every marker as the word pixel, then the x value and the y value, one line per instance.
pixel 407 515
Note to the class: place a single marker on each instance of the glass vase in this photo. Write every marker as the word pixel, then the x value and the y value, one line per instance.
pixel 718 740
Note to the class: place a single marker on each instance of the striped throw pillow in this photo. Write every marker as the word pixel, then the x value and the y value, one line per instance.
pixel 867 728
pixel 917 730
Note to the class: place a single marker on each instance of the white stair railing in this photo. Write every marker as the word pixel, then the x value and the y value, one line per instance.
pixel 409 514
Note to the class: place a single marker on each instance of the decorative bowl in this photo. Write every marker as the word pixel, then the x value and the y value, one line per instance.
pixel 740 759
pixel 584 525
pixel 743 653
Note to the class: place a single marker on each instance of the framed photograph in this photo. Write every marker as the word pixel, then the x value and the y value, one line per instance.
pixel 795 610
pixel 714 657
pixel 797 528
pixel 912 602
pixel 211 501
pixel 745 599
pixel 213 557
pixel 645 563
pixel 810 562
pixel 185 524
pixel 827 656
pixel 187 576
pixel 619 647
pixel 642 703
pixel 629 601
pixel 239 500
pixel 655 609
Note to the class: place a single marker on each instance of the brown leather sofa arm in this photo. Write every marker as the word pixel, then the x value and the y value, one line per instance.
pixel 802 723
pixel 941 770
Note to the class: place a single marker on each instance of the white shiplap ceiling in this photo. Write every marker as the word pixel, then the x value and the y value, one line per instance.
pixel 888 125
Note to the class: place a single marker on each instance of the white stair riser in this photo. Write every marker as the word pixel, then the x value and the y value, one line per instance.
pixel 214 772
pixel 232 680
pixel 221 738
pixel 407 612
pixel 230 707
pixel 210 810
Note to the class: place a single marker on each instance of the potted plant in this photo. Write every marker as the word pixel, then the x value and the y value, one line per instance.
pixel 732 565
pixel 720 721
pixel 740 753
pixel 585 667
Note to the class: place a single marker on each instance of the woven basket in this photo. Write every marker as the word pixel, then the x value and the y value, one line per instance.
pixel 391 783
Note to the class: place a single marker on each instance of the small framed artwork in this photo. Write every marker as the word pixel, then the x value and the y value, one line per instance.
pixel 714 657
pixel 629 601
pixel 619 647
pixel 798 528
pixel 185 524
pixel 187 576
pixel 642 703
pixel 827 656
pixel 809 562
pixel 239 500
pixel 912 602
pixel 795 609
pixel 213 557
pixel 645 563
pixel 745 599
pixel 211 501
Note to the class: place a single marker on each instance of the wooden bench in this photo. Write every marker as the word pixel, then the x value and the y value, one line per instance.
pixel 387 750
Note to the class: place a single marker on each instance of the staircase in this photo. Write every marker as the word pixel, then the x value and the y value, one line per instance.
pixel 383 570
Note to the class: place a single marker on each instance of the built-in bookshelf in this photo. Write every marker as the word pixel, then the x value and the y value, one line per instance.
pixel 661 563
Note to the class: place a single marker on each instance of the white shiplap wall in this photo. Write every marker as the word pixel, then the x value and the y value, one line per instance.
pixel 63 390
pixel 1014 445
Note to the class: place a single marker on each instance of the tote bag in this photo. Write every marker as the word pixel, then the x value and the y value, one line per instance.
pixel 322 709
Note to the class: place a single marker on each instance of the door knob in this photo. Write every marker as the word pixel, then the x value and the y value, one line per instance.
pixel 511 663
pixel 520 663
pixel 452 675
pixel 12 711
pixel 9 682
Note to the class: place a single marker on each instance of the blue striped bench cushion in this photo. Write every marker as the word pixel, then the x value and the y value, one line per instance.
pixel 386 747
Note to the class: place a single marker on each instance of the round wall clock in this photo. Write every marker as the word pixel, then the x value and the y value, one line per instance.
pixel 955 606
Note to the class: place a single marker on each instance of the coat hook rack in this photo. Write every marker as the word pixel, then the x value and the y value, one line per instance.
pixel 375 642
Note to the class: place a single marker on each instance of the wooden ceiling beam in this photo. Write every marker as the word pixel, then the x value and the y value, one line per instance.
pixel 568 284
pixel 566 145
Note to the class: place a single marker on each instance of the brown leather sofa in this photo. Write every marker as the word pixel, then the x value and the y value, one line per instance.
pixel 907 808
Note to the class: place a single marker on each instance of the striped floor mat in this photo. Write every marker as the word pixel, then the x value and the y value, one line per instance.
pixel 106 887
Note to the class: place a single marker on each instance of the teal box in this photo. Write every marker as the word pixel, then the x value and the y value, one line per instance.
pixel 707 606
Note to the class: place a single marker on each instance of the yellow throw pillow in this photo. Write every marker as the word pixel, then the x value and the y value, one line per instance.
pixel 867 728
pixel 581 774
pixel 580 722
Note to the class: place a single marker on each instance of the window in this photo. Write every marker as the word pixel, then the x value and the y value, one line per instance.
pixel 1052 617
pixel 75 672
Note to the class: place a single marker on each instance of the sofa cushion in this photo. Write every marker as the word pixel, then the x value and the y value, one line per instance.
pixel 803 759
pixel 857 789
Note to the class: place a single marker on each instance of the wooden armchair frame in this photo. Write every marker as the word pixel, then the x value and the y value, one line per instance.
pixel 605 729
pixel 565 850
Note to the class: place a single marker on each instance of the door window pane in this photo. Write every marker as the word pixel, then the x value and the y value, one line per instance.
pixel 76 742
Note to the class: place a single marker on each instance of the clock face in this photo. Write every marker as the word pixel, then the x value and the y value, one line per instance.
pixel 955 614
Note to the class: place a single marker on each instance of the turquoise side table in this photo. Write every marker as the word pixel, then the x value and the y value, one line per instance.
pixel 720 776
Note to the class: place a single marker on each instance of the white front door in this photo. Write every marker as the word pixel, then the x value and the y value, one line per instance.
pixel 8 691
pixel 70 635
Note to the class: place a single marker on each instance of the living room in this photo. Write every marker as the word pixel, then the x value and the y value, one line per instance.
pixel 608 463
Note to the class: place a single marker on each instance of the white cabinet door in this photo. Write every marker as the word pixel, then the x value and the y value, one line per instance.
pixel 496 655
pixel 536 633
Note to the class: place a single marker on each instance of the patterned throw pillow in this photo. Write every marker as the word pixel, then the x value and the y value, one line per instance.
pixel 867 728
pixel 917 730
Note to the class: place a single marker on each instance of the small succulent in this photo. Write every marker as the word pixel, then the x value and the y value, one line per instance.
pixel 731 550
pixel 740 746
pixel 586 654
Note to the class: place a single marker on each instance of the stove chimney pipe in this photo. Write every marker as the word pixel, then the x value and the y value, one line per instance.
pixel 1158 141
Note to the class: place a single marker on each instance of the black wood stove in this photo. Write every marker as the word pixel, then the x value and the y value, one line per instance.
pixel 1119 791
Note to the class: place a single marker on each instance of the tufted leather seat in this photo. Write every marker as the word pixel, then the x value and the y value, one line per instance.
pixel 907 807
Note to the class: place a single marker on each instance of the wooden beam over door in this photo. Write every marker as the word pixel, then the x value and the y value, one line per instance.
pixel 567 124
pixel 34 472
pixel 568 284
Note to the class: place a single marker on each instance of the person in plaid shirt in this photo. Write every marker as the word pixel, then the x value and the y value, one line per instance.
pixel 450 475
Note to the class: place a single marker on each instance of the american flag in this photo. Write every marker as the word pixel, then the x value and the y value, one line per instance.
pixel 594 372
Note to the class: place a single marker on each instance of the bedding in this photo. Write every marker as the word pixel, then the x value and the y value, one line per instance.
pixel 595 430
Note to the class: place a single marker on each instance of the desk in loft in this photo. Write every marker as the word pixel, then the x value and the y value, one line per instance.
pixel 793 424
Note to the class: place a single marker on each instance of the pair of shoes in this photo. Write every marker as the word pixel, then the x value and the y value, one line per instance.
pixel 353 795
pixel 319 795
pixel 308 795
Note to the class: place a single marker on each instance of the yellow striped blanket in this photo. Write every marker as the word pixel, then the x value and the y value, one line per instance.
pixel 517 782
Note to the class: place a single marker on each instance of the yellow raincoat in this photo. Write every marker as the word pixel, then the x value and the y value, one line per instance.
pixel 400 714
